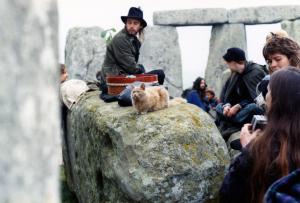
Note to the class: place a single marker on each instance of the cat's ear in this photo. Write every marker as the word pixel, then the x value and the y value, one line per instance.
pixel 143 86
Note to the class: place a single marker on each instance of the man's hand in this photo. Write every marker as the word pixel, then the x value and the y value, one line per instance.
pixel 233 110
pixel 226 110
pixel 246 135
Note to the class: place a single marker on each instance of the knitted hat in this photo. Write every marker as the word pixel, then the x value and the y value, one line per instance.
pixel 234 54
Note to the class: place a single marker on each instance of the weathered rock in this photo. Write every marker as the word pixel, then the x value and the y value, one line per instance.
pixel 293 29
pixel 208 16
pixel 222 37
pixel 172 155
pixel 85 51
pixel 161 50
pixel 263 15
pixel 29 102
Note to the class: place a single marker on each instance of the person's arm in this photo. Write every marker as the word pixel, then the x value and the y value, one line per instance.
pixel 193 98
pixel 124 54
pixel 246 135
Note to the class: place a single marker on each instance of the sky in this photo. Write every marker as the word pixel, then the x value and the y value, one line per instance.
pixel 193 41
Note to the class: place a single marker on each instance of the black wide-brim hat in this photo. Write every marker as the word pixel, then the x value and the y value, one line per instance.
pixel 135 13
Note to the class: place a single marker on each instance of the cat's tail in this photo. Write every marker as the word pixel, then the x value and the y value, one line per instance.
pixel 176 101
pixel 163 97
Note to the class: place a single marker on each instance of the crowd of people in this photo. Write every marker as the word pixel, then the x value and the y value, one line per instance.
pixel 269 155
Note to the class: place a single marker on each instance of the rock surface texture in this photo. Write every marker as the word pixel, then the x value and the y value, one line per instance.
pixel 115 155
pixel 85 52
pixel 161 50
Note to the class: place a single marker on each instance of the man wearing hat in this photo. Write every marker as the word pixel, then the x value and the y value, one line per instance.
pixel 238 96
pixel 122 53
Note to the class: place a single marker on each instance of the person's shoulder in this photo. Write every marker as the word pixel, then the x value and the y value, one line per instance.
pixel 121 36
pixel 257 67
pixel 193 92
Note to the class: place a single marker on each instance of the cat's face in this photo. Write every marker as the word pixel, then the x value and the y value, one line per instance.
pixel 138 94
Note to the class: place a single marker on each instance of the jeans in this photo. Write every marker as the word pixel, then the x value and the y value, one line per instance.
pixel 243 116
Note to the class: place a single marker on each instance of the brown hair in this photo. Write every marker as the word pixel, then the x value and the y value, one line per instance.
pixel 276 151
pixel 211 92
pixel 62 68
pixel 285 46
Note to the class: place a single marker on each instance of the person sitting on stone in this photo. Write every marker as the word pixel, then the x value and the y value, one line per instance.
pixel 197 96
pixel 237 106
pixel 123 51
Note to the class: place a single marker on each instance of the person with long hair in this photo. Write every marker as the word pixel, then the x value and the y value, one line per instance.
pixel 122 52
pixel 273 152
pixel 197 95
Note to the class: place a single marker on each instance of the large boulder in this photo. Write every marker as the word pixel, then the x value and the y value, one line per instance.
pixel 115 155
pixel 292 28
pixel 29 102
pixel 187 17
pixel 222 37
pixel 84 52
pixel 263 14
pixel 160 50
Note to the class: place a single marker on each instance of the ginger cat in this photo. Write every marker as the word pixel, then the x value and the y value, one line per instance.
pixel 148 99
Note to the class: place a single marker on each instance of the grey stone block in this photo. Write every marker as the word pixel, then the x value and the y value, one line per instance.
pixel 85 51
pixel 292 28
pixel 188 17
pixel 263 15
pixel 29 102
pixel 160 50
pixel 172 155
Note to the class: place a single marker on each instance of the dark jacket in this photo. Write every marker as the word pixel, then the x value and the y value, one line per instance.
pixel 122 55
pixel 236 187
pixel 236 184
pixel 251 76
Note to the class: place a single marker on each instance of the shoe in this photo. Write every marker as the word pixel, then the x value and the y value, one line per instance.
pixel 229 131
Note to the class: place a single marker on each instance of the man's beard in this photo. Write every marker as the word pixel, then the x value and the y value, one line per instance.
pixel 131 31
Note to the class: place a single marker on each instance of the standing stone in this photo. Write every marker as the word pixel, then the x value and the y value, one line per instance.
pixel 207 16
pixel 85 52
pixel 292 28
pixel 29 102
pixel 222 37
pixel 161 50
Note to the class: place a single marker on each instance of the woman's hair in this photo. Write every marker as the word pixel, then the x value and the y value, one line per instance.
pixel 285 46
pixel 196 86
pixel 276 152
pixel 197 82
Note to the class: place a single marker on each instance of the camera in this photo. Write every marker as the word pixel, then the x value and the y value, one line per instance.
pixel 258 122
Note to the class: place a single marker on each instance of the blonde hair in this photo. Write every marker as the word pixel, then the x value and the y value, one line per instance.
pixel 277 33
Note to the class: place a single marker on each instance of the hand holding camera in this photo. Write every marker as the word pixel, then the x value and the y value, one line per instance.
pixel 258 122
pixel 250 131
